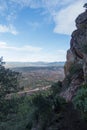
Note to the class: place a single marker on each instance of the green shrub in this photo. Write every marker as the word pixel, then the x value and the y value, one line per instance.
pixel 56 88
pixel 42 109
pixel 14 120
pixel 80 101
pixel 9 83
pixel 32 110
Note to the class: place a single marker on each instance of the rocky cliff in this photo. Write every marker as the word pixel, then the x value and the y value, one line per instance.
pixel 76 64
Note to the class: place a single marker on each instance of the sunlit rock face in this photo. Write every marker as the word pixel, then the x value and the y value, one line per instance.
pixel 69 62
pixel 76 63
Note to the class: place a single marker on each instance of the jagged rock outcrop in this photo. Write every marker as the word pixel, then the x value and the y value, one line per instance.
pixel 69 62
pixel 76 64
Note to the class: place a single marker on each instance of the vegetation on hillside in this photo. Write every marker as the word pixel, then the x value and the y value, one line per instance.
pixel 38 110
pixel 80 101
pixel 44 110
pixel 9 83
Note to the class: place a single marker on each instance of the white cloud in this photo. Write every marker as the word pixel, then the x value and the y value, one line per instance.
pixel 28 3
pixel 31 57
pixel 5 46
pixel 2 44
pixel 41 3
pixel 29 53
pixel 62 12
pixel 8 29
pixel 65 18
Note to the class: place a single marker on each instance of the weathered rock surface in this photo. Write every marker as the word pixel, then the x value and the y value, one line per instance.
pixel 70 60
pixel 81 20
pixel 76 56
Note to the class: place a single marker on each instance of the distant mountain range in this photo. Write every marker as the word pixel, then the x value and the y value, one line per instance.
pixel 33 64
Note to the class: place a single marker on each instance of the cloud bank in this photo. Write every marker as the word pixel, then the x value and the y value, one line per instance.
pixel 5 46
pixel 65 18
pixel 29 53
pixel 63 12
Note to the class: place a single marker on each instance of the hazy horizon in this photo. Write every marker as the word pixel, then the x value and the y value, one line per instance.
pixel 33 64
pixel 37 61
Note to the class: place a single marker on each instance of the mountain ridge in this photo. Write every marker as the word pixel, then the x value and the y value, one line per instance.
pixel 34 64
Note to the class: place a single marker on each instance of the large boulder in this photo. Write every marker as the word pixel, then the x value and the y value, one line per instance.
pixel 76 56
pixel 78 45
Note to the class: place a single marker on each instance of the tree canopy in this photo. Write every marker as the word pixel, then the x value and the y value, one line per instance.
pixel 8 80
pixel 9 83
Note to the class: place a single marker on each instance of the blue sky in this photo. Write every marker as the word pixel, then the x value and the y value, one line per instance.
pixel 37 30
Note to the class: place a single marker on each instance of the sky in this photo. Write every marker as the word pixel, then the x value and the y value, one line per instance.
pixel 37 30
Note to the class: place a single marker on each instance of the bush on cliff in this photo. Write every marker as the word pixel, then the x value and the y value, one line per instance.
pixel 43 109
pixel 80 101
pixel 56 87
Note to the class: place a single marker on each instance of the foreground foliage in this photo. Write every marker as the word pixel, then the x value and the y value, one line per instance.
pixel 38 110
pixel 42 110
pixel 80 101
pixel 9 83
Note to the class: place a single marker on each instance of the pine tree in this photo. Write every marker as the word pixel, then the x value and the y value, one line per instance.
pixel 9 83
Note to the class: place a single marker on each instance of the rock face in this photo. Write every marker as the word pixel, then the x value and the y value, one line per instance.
pixel 76 64
pixel 69 62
